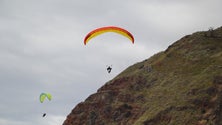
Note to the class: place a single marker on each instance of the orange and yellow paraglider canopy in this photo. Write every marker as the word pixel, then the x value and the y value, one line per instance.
pixel 102 30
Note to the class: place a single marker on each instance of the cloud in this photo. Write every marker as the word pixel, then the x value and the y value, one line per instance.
pixel 11 122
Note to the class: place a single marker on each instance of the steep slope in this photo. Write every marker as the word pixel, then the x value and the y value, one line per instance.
pixel 180 86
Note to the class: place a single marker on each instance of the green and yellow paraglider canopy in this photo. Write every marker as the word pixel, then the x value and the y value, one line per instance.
pixel 43 96
pixel 102 30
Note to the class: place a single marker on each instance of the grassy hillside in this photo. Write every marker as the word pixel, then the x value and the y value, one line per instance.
pixel 179 86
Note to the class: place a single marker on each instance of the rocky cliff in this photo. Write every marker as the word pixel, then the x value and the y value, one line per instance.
pixel 179 86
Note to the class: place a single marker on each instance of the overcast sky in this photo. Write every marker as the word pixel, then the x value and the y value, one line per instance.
pixel 42 50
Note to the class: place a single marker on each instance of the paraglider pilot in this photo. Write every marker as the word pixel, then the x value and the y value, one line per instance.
pixel 44 115
pixel 109 69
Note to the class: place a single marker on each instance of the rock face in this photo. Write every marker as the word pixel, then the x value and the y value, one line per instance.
pixel 179 86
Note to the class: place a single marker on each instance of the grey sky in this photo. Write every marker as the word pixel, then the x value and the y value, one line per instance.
pixel 42 50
